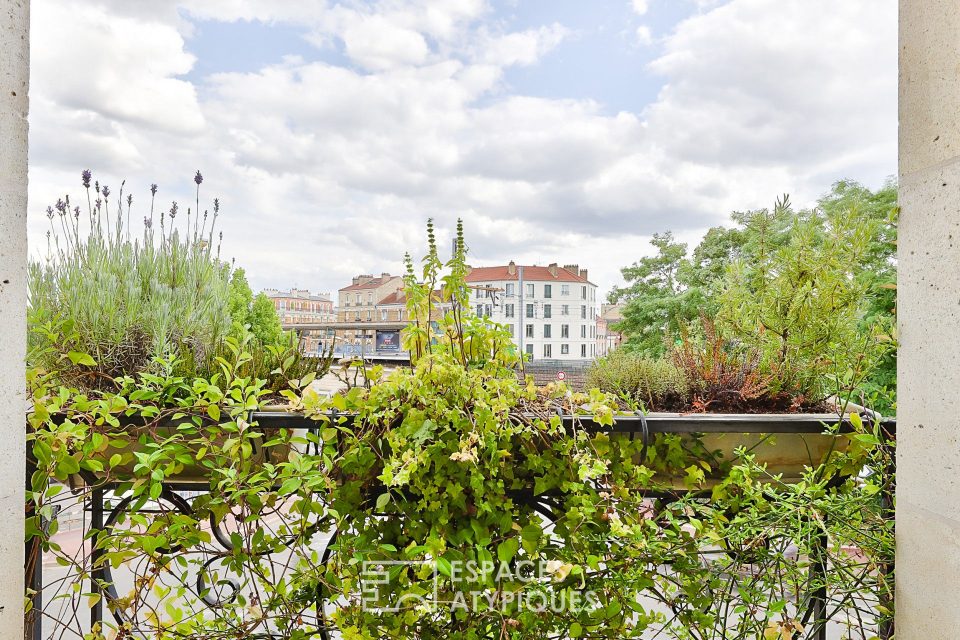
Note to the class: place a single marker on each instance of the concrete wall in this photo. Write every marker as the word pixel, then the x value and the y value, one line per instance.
pixel 14 75
pixel 928 309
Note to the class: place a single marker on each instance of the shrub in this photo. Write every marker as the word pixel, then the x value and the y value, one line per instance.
pixel 720 377
pixel 124 300
pixel 104 304
pixel 655 384
pixel 800 305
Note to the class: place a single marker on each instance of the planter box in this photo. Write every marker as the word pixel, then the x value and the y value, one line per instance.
pixel 785 443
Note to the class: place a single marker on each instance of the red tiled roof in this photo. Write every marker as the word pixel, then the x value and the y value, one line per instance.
pixel 370 284
pixel 534 273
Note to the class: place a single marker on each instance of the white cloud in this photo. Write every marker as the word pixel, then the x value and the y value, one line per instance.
pixel 644 36
pixel 325 171
pixel 376 43
pixel 521 47
pixel 640 7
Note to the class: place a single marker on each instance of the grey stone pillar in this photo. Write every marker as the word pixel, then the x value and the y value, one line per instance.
pixel 14 78
pixel 928 310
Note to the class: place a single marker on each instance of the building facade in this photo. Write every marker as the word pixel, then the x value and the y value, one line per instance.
pixel 299 306
pixel 358 303
pixel 608 338
pixel 550 311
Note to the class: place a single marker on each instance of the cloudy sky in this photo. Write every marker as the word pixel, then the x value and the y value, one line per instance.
pixel 559 130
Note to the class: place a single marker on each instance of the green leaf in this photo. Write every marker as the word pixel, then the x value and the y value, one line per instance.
pixel 81 358
pixel 507 549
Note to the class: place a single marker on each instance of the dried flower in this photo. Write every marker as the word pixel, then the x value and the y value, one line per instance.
pixel 105 191
pixel 153 189
pixel 76 212
pixel 147 222
pixel 173 210
pixel 61 206
pixel 129 199
pixel 50 213
pixel 85 175
pixel 96 186
pixel 198 178
pixel 216 205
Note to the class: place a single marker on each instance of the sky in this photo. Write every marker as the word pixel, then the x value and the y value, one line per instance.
pixel 563 131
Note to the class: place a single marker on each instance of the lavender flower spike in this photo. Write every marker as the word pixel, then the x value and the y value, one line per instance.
pixel 153 189
pixel 85 175
pixel 105 191
pixel 198 178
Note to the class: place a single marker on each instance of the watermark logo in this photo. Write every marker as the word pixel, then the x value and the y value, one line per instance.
pixel 378 581
pixel 401 585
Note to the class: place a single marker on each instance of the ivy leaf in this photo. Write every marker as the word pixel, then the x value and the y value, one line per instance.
pixel 507 549
pixel 444 567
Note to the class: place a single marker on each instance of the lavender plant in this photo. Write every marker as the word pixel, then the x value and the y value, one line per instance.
pixel 105 302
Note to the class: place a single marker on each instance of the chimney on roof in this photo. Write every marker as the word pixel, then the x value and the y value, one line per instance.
pixel 356 279
pixel 512 268
pixel 583 274
pixel 553 269
pixel 384 275
pixel 572 268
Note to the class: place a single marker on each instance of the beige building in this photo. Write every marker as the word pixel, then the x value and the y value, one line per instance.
pixel 608 338
pixel 357 303
pixel 299 306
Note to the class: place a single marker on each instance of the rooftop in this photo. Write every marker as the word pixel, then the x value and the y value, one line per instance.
pixel 511 271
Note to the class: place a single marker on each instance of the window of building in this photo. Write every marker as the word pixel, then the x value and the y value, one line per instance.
pixel 369 298
pixel 564 331
pixel 383 314
pixel 564 349
pixel 548 291
pixel 583 292
pixel 487 311
pixel 369 315
pixel 583 311
pixel 547 331
pixel 531 291
pixel 509 290
pixel 547 351
pixel 583 331
pixel 564 289
pixel 529 349
pixel 358 316
pixel 547 311
pixel 530 313
pixel 583 351
pixel 529 330
pixel 565 310
pixel 508 310
pixel 480 310
pixel 510 330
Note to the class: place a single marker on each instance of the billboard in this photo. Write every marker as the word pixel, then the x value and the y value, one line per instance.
pixel 388 341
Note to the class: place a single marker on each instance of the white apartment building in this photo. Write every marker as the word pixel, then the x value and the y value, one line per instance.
pixel 550 311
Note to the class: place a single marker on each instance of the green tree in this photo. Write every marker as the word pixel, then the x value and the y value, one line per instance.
pixel 256 313
pixel 264 322
pixel 240 301
pixel 658 300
